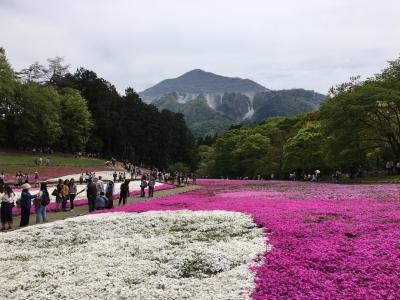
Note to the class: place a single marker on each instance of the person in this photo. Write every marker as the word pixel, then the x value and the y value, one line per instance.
pixel 101 201
pixel 99 185
pixel 36 178
pixel 110 194
pixel 58 194
pixel 7 203
pixel 124 192
pixel 91 193
pixel 115 176
pixel 26 178
pixel 65 194
pixel 143 185
pixel 152 183
pixel 194 178
pixel 72 193
pixel 44 200
pixel 81 179
pixel 398 168
pixel 2 178
pixel 26 204
pixel 317 174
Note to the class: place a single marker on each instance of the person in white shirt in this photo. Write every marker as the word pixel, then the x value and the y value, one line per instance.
pixel 7 198
pixel 99 186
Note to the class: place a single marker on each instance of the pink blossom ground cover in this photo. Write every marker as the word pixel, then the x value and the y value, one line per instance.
pixel 329 241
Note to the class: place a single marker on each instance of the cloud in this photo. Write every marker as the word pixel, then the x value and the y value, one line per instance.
pixel 311 44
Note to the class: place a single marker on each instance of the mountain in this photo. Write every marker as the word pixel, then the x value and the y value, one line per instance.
pixel 199 116
pixel 284 103
pixel 196 82
pixel 212 103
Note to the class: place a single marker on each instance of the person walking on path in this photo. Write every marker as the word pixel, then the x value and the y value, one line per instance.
pixel 152 183
pixel 72 193
pixel 110 194
pixel 124 192
pixel 26 204
pixel 7 203
pixel 44 200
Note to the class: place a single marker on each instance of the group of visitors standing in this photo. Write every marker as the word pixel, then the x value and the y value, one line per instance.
pixel 8 200
pixel 392 168
pixel 65 191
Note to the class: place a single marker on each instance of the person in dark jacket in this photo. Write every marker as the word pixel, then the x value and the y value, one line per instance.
pixel 91 192
pixel 124 193
pixel 26 203
pixel 110 194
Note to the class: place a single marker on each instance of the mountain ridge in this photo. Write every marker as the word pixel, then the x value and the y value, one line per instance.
pixel 212 103
pixel 198 81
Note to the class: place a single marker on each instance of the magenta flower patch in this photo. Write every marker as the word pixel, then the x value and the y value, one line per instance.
pixel 329 241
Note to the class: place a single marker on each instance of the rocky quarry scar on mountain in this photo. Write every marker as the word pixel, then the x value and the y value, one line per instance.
pixel 212 103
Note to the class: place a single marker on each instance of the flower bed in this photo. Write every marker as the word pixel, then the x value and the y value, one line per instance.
pixel 329 241
pixel 154 255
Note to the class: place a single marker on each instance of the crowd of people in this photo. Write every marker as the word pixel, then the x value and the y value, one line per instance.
pixel 392 168
pixel 100 193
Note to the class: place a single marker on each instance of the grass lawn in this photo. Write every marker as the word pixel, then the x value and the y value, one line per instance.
pixel 14 161
pixel 23 158
pixel 377 179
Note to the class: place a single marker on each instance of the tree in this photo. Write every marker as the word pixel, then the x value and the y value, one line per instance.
pixel 365 119
pixel 76 121
pixel 207 161
pixel 8 88
pixel 304 151
pixel 35 72
pixel 55 69
pixel 38 123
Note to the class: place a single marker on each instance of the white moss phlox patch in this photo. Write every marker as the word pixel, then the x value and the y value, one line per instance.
pixel 152 255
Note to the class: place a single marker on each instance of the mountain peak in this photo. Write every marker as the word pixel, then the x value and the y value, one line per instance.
pixel 198 82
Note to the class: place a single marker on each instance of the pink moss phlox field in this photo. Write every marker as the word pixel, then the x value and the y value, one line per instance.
pixel 328 241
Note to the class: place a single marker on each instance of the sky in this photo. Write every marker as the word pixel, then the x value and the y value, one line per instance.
pixel 311 44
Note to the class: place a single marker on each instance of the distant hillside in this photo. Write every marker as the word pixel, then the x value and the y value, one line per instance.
pixel 284 103
pixel 199 116
pixel 211 103
pixel 201 82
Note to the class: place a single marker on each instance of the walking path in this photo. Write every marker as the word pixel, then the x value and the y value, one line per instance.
pixel 83 209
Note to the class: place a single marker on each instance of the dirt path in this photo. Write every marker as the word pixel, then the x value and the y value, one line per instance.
pixel 83 210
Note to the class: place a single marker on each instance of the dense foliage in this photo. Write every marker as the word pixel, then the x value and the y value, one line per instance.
pixel 357 128
pixel 50 107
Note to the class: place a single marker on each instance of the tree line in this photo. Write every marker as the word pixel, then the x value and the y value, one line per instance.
pixel 48 106
pixel 357 127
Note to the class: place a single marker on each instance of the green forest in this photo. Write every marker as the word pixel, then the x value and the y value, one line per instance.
pixel 47 106
pixel 356 128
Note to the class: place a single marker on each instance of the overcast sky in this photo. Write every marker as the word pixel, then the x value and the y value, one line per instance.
pixel 310 44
